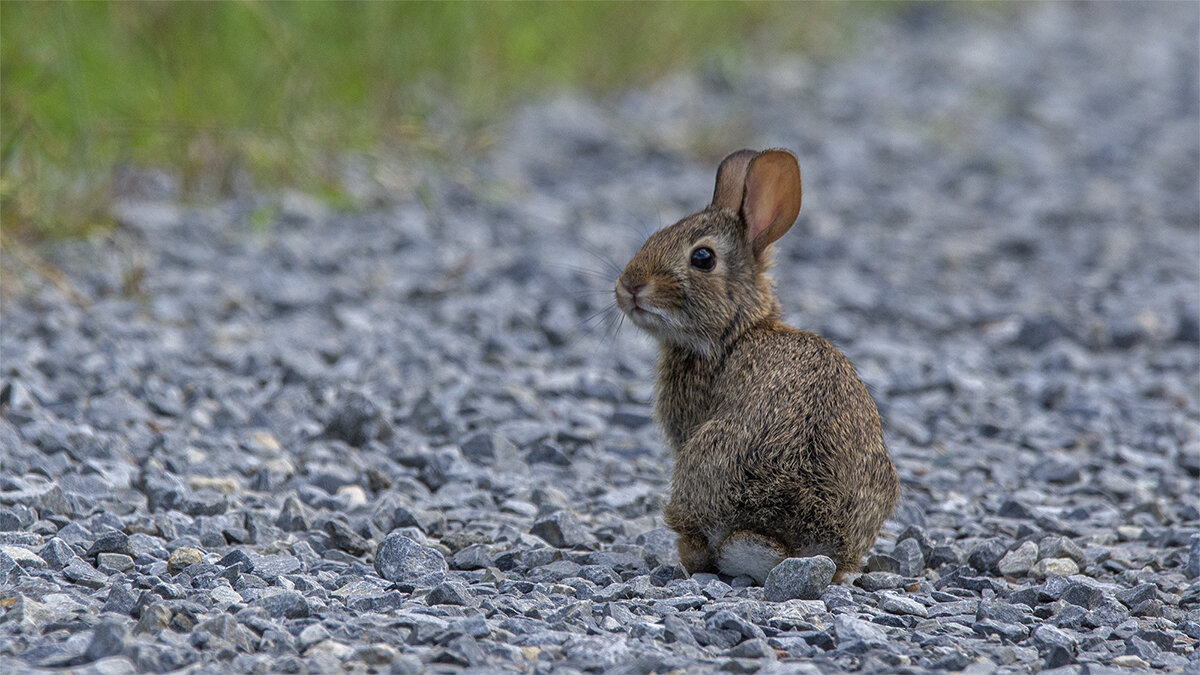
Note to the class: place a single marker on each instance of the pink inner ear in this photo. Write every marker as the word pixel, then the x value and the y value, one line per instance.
pixel 772 199
pixel 760 224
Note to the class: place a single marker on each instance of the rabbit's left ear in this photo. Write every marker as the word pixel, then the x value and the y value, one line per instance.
pixel 772 197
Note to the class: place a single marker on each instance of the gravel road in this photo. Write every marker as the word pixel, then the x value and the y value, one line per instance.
pixel 414 439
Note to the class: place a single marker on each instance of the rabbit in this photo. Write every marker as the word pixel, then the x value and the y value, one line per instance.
pixel 777 443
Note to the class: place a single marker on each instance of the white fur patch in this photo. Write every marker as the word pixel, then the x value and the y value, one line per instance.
pixel 751 557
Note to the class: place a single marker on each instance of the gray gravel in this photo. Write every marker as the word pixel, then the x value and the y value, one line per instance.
pixel 1001 229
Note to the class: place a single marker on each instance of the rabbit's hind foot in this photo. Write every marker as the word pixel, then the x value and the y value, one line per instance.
pixel 694 553
pixel 749 553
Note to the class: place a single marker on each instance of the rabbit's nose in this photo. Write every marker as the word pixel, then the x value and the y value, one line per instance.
pixel 634 290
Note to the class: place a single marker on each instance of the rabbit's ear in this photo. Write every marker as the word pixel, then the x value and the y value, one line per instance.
pixel 772 198
pixel 731 180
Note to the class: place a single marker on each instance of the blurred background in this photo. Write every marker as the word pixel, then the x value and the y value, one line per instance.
pixel 232 95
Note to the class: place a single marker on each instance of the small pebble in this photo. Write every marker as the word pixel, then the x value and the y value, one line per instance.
pixel 1063 567
pixel 1018 562
pixel 182 558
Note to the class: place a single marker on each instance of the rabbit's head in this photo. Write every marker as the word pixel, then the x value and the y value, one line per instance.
pixel 700 282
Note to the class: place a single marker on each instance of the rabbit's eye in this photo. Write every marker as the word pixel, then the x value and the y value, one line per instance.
pixel 704 259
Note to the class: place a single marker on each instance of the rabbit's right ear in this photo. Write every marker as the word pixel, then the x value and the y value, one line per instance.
pixel 772 199
pixel 731 180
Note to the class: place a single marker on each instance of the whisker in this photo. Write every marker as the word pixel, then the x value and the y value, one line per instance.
pixel 620 322
pixel 601 321
pixel 583 270
pixel 597 322
pixel 658 214
pixel 614 327
pixel 603 259
pixel 602 311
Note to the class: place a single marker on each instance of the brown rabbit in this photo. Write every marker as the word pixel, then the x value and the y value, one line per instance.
pixel 777 444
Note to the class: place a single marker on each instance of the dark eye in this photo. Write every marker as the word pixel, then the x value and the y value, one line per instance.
pixel 704 259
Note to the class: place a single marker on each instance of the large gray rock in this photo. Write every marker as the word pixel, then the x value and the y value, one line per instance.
pixel 910 559
pixel 120 600
pixel 108 639
pixel 563 529
pixel 226 627
pixel 402 560
pixel 28 560
pixel 110 542
pixel 293 516
pixel 1058 546
pixel 285 604
pixel 987 554
pixel 849 629
pixel 84 574
pixel 24 614
pixel 1018 561
pixel 450 592
pixel 799 578
pixel 899 604
pixel 1046 637
pixel 10 571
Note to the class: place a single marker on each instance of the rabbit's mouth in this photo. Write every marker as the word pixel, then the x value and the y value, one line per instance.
pixel 639 314
pixel 633 305
pixel 636 301
pixel 637 310
pixel 647 316
pixel 665 326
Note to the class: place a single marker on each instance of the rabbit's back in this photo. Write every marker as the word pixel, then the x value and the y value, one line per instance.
pixel 781 438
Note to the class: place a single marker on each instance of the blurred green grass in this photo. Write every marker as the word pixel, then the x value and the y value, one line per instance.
pixel 282 90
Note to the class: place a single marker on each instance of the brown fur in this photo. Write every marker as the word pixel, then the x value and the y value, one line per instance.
pixel 772 430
